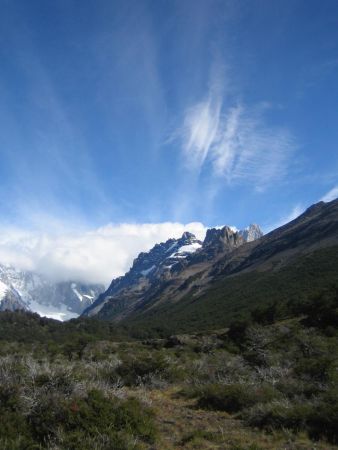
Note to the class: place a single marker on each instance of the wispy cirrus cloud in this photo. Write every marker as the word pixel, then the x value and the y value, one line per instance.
pixel 235 141
pixel 200 131
pixel 296 211
pixel 331 195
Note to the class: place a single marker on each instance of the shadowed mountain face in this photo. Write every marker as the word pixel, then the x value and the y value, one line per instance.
pixel 226 274
pixel 149 271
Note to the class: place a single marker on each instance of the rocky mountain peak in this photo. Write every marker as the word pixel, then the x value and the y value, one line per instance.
pixel 219 240
pixel 221 236
pixel 188 236
pixel 251 233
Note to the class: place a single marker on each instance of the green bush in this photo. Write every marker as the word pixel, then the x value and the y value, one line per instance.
pixel 13 426
pixel 322 311
pixel 278 415
pixel 322 422
pixel 265 314
pixel 293 387
pixel 318 418
pixel 138 367
pixel 317 368
pixel 237 331
pixel 235 397
pixel 74 423
pixel 80 419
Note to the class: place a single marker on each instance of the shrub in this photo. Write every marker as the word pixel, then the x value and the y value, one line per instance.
pixel 316 368
pixel 265 314
pixel 82 419
pixel 237 331
pixel 137 368
pixel 278 414
pixel 319 418
pixel 234 397
pixel 13 424
pixel 323 419
pixel 322 312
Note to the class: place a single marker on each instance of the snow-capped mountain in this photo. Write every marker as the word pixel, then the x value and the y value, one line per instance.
pixel 166 264
pixel 34 292
pixel 164 256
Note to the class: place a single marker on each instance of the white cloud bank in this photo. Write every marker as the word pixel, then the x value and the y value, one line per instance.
pixel 95 256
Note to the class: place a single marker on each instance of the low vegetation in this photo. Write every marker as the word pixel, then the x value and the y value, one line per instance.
pixel 264 382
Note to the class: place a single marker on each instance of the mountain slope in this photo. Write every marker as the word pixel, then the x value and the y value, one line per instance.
pixel 236 296
pixel 292 264
pixel 227 276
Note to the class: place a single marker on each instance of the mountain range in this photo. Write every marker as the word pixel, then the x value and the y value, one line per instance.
pixel 34 292
pixel 161 274
pixel 185 284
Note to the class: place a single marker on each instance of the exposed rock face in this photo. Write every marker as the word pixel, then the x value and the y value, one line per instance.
pixel 221 240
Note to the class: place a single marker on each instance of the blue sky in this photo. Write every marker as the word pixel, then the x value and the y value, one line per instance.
pixel 136 112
